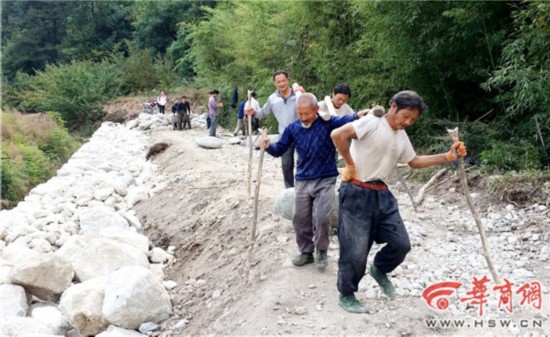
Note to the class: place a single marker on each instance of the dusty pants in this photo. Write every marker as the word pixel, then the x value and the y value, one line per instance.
pixel 313 204
pixel 177 122
pixel 367 216
pixel 186 121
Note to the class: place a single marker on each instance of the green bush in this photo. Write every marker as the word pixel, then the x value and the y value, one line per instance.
pixel 33 148
pixel 13 188
pixel 77 90
pixel 510 156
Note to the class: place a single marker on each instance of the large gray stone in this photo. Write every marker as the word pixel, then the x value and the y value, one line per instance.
pixel 23 326
pixel 93 220
pixel 46 277
pixel 94 256
pixel 284 206
pixel 48 314
pixel 133 296
pixel 209 142
pixel 81 305
pixel 13 301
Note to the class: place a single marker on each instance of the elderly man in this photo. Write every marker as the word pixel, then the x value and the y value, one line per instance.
pixel 315 177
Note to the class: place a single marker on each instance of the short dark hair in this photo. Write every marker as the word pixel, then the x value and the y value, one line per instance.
pixel 279 72
pixel 408 99
pixel 342 89
pixel 215 91
pixel 183 97
pixel 253 94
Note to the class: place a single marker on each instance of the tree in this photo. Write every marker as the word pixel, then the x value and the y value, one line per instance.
pixel 31 32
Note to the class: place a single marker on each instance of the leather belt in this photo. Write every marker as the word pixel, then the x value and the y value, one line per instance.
pixel 377 185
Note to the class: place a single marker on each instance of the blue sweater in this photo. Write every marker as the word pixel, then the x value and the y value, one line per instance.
pixel 316 152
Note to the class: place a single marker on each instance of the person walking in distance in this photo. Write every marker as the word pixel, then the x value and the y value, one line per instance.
pixel 185 109
pixel 162 100
pixel 315 177
pixel 368 212
pixel 282 103
pixel 213 106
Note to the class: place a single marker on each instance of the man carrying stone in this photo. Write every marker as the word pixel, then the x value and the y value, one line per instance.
pixel 315 177
pixel 282 103
pixel 368 211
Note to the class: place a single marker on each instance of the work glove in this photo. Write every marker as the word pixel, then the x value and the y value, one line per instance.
pixel 349 173
pixel 264 143
pixel 457 148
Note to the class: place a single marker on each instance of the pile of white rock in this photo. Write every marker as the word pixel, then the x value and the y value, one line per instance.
pixel 147 121
pixel 73 261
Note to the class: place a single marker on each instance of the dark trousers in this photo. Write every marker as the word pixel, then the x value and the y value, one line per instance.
pixel 287 163
pixel 366 216
pixel 186 121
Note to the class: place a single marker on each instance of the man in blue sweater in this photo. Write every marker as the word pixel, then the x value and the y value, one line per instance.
pixel 315 177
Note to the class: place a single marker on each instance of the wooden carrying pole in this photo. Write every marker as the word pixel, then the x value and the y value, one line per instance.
pixel 250 145
pixel 255 215
pixel 454 135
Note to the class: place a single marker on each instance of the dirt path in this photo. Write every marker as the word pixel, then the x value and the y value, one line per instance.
pixel 205 213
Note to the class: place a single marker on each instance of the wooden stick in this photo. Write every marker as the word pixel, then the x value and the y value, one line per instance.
pixel 454 135
pixel 540 134
pixel 402 180
pixel 250 146
pixel 453 178
pixel 255 216
pixel 432 180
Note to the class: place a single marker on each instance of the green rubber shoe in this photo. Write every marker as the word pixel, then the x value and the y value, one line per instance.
pixel 321 261
pixel 302 259
pixel 383 281
pixel 351 304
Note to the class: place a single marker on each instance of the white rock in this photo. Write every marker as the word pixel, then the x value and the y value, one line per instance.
pixel 209 142
pixel 169 285
pixel 17 254
pixel 158 255
pixel 217 293
pixel 139 241
pixel 93 220
pixel 48 314
pixel 158 271
pixel 147 327
pixel 13 301
pixel 95 256
pixel 135 195
pixel 46 276
pixel 40 245
pixel 23 326
pixel 81 305
pixel 127 290
pixel 114 331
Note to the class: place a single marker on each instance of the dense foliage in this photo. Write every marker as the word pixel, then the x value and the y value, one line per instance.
pixel 33 148
pixel 481 65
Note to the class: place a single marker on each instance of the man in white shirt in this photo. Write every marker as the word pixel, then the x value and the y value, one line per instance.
pixel 368 211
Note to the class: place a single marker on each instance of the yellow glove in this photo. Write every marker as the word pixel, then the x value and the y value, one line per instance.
pixel 457 148
pixel 349 173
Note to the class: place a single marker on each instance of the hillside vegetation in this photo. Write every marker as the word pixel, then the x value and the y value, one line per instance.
pixel 483 66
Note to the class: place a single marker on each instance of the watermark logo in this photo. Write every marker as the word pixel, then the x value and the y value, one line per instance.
pixel 530 294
